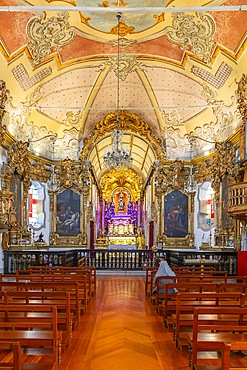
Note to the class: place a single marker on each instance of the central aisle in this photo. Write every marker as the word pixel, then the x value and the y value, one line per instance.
pixel 122 331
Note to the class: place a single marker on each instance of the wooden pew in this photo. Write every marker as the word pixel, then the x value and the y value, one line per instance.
pixel 77 306
pixel 168 304
pixel 60 299
pixel 15 349
pixel 209 335
pixel 81 279
pixel 225 349
pixel 185 304
pixel 150 273
pixel 32 332
pixel 67 270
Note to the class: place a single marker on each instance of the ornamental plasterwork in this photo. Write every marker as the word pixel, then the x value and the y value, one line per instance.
pixel 72 118
pixel 171 119
pixel 122 30
pixel 123 42
pixel 46 35
pixel 241 94
pixel 192 34
pixel 128 122
pixel 127 64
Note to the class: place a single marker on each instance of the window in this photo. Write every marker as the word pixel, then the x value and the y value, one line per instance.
pixel 36 197
pixel 206 206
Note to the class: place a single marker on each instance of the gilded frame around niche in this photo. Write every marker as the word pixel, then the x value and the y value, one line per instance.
pixel 67 225
pixel 177 219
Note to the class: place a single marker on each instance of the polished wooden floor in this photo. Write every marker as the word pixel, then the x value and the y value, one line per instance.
pixel 121 331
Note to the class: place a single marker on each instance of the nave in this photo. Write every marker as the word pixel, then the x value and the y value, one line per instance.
pixel 121 330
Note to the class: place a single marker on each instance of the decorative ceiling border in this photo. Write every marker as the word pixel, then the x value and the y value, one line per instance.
pixel 182 63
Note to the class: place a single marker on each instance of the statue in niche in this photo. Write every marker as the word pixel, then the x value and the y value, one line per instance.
pixel 121 204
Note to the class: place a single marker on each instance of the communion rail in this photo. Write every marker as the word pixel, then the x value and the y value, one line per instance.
pixel 105 259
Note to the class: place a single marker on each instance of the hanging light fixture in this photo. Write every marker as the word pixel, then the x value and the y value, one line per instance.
pixel 53 183
pixel 190 184
pixel 118 156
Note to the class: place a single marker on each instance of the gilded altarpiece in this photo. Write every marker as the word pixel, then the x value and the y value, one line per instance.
pixel 68 205
pixel 175 206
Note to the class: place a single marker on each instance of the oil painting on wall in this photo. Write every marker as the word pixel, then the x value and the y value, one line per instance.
pixel 176 214
pixel 68 213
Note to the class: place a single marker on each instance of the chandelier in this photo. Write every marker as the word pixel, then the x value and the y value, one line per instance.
pixel 118 156
pixel 53 183
pixel 190 184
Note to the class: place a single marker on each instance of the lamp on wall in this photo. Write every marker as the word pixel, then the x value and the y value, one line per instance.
pixel 118 156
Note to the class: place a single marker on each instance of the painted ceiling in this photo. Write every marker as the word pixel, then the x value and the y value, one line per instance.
pixel 179 68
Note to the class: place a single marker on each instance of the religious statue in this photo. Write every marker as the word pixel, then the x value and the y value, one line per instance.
pixel 121 204
pixel 40 238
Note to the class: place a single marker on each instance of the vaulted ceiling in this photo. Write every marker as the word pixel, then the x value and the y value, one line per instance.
pixel 179 69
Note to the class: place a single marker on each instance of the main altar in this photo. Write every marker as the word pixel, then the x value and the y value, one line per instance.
pixel 121 219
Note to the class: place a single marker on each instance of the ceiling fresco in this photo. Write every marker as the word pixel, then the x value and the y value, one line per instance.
pixel 179 70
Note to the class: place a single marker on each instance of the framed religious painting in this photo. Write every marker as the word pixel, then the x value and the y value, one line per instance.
pixel 67 217
pixel 17 188
pixel 177 216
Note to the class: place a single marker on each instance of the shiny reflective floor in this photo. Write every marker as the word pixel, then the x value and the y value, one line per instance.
pixel 121 330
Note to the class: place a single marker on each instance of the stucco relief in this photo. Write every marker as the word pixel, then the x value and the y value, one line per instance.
pixel 193 34
pixel 46 35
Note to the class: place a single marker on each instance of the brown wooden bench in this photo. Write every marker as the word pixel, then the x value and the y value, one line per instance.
pixel 32 332
pixel 81 278
pixel 15 349
pixel 77 306
pixel 60 299
pixel 150 273
pixel 11 353
pixel 169 303
pixel 193 269
pixel 209 335
pixel 67 270
pixel 186 302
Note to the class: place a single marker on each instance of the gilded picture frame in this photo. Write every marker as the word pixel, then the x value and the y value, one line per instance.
pixel 177 219
pixel 67 220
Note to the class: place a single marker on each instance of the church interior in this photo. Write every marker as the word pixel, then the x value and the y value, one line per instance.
pixel 123 148
pixel 123 125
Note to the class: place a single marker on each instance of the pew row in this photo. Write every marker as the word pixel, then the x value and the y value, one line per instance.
pixel 209 335
pixel 32 332
pixel 164 281
pixel 183 319
pixel 67 270
pixel 60 299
